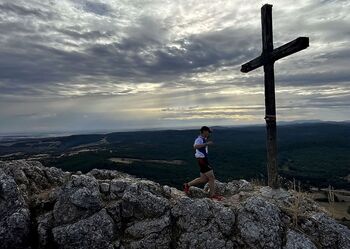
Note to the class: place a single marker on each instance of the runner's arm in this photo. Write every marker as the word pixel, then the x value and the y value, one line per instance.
pixel 197 146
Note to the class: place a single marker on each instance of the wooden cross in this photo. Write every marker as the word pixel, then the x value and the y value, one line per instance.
pixel 267 59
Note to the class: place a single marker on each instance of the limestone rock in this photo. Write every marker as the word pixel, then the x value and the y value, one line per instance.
pixel 45 224
pixel 204 223
pixel 105 174
pixel 167 191
pixel 327 231
pixel 93 232
pixel 104 187
pixel 114 209
pixel 140 202
pixel 118 186
pixel 33 176
pixel 149 233
pixel 79 198
pixel 196 192
pixel 297 240
pixel 260 224
pixel 44 207
pixel 230 188
pixel 14 214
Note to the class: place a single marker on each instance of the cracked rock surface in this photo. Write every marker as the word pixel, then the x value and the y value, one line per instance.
pixel 45 207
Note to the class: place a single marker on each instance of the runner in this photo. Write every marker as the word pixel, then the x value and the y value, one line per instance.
pixel 206 171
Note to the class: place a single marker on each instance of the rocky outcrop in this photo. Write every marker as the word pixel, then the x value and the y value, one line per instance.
pixel 45 207
pixel 14 214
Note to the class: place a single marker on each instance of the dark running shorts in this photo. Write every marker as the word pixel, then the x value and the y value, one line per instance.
pixel 203 165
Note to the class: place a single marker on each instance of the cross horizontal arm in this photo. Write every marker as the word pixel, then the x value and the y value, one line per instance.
pixel 251 65
pixel 290 48
pixel 287 49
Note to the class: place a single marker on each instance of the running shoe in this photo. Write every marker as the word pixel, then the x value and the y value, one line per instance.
pixel 186 188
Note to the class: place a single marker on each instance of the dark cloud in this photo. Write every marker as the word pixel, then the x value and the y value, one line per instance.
pixel 88 35
pixel 33 64
pixel 143 51
pixel 13 9
pixel 96 8
pixel 39 63
pixel 314 78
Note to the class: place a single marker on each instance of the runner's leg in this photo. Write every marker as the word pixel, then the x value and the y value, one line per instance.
pixel 204 177
pixel 199 180
pixel 211 177
pixel 206 180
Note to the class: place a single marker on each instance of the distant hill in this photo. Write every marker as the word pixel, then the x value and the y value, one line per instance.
pixel 314 153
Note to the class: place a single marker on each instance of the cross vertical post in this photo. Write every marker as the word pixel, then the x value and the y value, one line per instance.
pixel 267 59
pixel 270 105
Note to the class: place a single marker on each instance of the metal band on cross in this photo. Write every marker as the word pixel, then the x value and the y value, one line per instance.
pixel 270 117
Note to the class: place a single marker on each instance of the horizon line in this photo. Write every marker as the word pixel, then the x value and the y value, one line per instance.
pixel 107 131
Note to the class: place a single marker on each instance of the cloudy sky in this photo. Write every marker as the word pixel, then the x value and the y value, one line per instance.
pixel 75 65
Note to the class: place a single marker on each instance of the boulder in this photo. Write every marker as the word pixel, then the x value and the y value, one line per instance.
pixel 326 231
pixel 140 202
pixel 230 188
pixel 14 215
pixel 45 224
pixel 93 232
pixel 202 223
pixel 149 233
pixel 297 240
pixel 79 198
pixel 260 224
